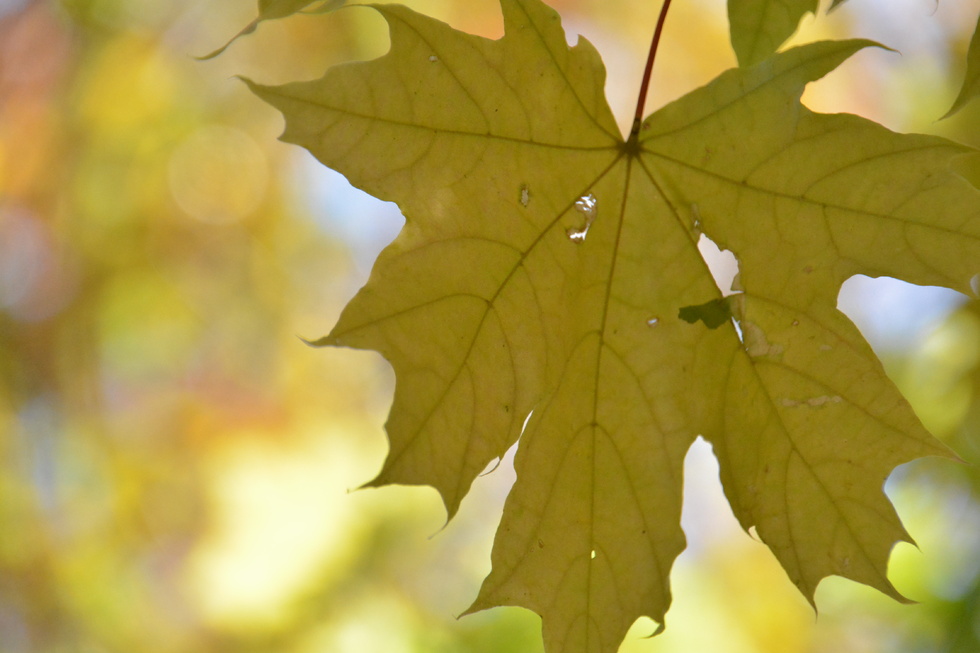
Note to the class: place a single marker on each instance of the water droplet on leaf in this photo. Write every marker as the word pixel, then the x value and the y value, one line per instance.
pixel 587 206
pixel 696 217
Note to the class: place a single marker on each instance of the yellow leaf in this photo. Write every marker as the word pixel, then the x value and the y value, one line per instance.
pixel 544 266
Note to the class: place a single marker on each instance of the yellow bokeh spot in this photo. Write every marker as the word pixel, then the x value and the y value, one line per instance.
pixel 131 85
pixel 218 175
pixel 283 523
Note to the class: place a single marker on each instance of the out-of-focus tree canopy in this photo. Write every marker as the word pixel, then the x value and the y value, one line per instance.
pixel 176 463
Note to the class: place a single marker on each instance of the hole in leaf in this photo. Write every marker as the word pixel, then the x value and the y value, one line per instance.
pixel 592 555
pixel 721 262
pixel 526 420
pixel 738 330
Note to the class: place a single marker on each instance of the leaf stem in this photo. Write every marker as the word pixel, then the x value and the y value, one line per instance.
pixel 638 117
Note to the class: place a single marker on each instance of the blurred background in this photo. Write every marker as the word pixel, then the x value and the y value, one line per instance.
pixel 176 466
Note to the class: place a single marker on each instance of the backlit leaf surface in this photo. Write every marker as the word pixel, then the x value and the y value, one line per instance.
pixel 544 265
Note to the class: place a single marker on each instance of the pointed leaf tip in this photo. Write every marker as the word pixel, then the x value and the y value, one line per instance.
pixel 759 27
pixel 324 341
pixel 971 80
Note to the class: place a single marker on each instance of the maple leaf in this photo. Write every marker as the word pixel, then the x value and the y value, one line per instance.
pixel 548 264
